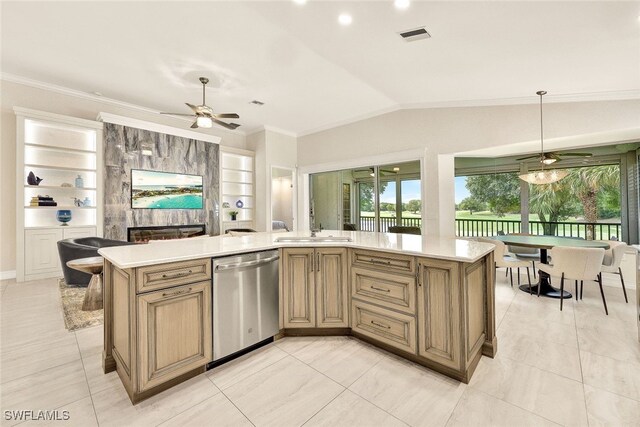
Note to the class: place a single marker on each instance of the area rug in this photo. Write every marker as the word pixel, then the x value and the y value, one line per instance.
pixel 74 318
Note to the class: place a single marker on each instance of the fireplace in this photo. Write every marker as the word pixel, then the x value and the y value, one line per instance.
pixel 164 232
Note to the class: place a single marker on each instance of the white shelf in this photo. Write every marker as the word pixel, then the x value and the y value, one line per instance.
pixel 54 187
pixel 60 207
pixel 58 168
pixel 60 149
pixel 237 182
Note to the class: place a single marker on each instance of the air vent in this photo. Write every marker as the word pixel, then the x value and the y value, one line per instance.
pixel 256 102
pixel 414 34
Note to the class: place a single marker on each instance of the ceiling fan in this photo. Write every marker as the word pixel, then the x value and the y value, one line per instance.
pixel 383 172
pixel 552 157
pixel 204 115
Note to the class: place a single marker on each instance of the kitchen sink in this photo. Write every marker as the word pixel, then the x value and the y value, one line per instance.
pixel 296 239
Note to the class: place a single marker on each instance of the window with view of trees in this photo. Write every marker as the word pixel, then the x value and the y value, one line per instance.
pixel 586 203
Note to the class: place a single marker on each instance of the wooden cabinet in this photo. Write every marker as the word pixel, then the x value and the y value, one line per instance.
pixel 298 286
pixel 439 306
pixel 174 332
pixel 390 327
pixel 391 290
pixel 314 287
pixel 157 338
pixel 332 310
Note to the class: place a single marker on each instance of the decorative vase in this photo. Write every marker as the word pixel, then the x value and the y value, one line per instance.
pixel 86 201
pixel 79 181
pixel 233 217
pixel 64 216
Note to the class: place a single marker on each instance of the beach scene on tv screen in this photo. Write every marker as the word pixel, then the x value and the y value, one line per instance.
pixel 163 190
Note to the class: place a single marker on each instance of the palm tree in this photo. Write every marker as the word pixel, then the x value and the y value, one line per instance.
pixel 553 202
pixel 585 183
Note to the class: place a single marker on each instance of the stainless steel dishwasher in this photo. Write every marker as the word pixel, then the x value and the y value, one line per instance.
pixel 245 301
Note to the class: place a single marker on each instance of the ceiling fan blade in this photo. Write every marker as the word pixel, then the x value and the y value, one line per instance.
pixel 194 125
pixel 231 126
pixel 178 114
pixel 193 107
pixel 536 156
pixel 575 154
pixel 226 115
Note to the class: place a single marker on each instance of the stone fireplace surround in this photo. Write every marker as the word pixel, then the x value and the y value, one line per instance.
pixel 126 148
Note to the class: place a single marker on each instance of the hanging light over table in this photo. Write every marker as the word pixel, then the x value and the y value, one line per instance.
pixel 543 176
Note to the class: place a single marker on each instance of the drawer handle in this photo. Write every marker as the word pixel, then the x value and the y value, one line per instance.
pixel 175 276
pixel 380 289
pixel 172 294
pixel 380 325
pixel 377 261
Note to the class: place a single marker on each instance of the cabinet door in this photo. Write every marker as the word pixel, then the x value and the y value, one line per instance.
pixel 41 251
pixel 331 288
pixel 439 310
pixel 299 288
pixel 75 233
pixel 174 332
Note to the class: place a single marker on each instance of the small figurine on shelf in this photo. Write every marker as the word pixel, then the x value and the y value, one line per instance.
pixel 32 179
pixel 79 181
pixel 226 205
pixel 77 202
pixel 64 216
pixel 233 215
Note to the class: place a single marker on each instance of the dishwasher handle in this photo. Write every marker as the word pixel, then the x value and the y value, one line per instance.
pixel 221 267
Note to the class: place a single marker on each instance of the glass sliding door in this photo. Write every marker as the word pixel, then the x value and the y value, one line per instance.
pixel 371 198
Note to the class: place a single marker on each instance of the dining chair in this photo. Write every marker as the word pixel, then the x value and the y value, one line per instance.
pixel 612 260
pixel 524 253
pixel 578 264
pixel 504 260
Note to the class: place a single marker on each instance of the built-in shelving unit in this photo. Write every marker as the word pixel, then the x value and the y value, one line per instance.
pixel 59 149
pixel 237 175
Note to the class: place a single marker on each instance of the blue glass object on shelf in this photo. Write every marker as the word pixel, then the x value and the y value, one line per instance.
pixel 79 181
pixel 86 201
pixel 64 216
pixel 239 204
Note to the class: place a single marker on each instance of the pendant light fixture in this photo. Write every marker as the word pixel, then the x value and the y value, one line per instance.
pixel 543 176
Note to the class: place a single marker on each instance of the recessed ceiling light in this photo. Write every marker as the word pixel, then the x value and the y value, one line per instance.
pixel 345 19
pixel 300 1
pixel 396 169
pixel 401 4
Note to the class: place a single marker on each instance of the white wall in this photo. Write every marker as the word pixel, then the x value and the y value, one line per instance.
pixel 13 94
pixel 437 134
pixel 272 148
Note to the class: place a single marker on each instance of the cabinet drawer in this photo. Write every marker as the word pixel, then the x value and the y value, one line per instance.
pixel 384 261
pixel 174 274
pixel 386 289
pixel 392 328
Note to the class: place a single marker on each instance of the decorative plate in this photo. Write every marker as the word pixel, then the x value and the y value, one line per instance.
pixel 239 204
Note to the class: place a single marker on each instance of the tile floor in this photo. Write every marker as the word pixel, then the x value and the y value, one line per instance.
pixel 575 367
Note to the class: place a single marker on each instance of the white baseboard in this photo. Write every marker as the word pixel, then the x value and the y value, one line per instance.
pixel 5 275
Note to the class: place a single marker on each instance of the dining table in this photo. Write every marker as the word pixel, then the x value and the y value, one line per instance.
pixel 544 243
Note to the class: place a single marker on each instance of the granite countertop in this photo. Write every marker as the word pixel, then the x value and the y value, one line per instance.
pixel 159 252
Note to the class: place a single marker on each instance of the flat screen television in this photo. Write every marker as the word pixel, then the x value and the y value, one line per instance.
pixel 165 190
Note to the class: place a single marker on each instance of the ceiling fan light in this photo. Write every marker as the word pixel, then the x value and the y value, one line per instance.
pixel 548 160
pixel 544 176
pixel 204 122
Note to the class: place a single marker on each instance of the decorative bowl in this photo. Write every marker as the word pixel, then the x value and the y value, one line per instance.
pixel 64 216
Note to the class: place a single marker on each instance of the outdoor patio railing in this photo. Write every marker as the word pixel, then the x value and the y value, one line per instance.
pixel 489 227
pixel 493 227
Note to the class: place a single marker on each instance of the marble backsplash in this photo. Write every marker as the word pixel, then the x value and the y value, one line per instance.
pixel 126 148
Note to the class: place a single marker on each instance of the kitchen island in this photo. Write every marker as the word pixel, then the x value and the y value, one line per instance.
pixel 427 299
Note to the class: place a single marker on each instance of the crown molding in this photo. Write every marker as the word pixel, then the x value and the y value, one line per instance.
pixel 44 115
pixel 272 129
pixel 12 78
pixel 155 127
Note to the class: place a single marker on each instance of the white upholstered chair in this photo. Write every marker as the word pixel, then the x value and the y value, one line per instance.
pixel 612 260
pixel 578 264
pixel 505 260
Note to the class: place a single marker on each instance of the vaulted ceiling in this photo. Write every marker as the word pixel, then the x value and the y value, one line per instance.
pixel 313 73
